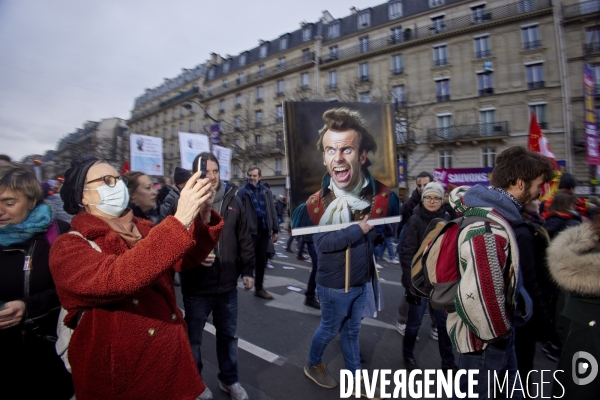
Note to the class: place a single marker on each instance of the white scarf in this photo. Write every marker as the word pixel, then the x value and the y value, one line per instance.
pixel 340 210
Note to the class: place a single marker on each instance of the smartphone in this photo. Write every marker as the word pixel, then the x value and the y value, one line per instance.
pixel 202 167
pixel 2 305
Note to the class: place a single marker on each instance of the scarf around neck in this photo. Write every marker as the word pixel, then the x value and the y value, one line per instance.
pixel 38 221
pixel 340 210
pixel 124 226
pixel 259 203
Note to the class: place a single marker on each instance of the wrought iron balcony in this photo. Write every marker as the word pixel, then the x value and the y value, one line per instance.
pixel 486 92
pixel 536 85
pixel 532 44
pixel 458 132
pixel 280 94
pixel 397 71
pixel 332 86
pixel 583 8
pixel 278 119
pixel 443 97
pixel 482 17
pixel 449 25
pixel 483 54
pixel 440 62
pixel 543 124
pixel 364 78
pixel 259 99
pixel 304 87
pixel 590 48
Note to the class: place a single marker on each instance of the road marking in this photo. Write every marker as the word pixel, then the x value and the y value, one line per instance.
pixel 252 348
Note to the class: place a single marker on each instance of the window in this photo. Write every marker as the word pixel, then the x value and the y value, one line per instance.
pixel 436 3
pixel 398 95
pixel 278 166
pixel 333 30
pixel 222 106
pixel 283 42
pixel 478 14
pixel 482 47
pixel 304 80
pixel 191 125
pixel 364 44
pixel 485 83
pixel 440 55
pixel 540 114
pixel 165 114
pixel 236 170
pixel 488 157
pixel 164 134
pixel 535 76
pixel 592 40
pixel 173 131
pixel 211 72
pixel 395 9
pixel 401 131
pixel 306 55
pixel 224 83
pixel 365 97
pixel 442 88
pixel 238 100
pixel 263 50
pixel 307 33
pixel 488 122
pixel 171 150
pixel 596 71
pixel 237 122
pixel 157 119
pixel 259 94
pixel 364 20
pixel 173 114
pixel 445 159
pixel 280 87
pixel 531 37
pixel 397 64
pixel 279 114
pixel 526 6
pixel 257 143
pixel 444 124
pixel 363 72
pixel 438 24
pixel 209 90
pixel 226 67
pixel 261 70
pixel 258 118
pixel 242 59
pixel 240 78
pixel 333 53
pixel 181 127
pixel 333 80
pixel 396 35
pixel 279 140
pixel 281 63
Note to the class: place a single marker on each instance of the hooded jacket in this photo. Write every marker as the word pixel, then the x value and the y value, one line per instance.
pixel 234 253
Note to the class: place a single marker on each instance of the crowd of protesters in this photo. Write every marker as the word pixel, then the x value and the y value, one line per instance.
pixel 89 246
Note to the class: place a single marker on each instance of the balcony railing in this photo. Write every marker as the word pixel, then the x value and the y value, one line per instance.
pixel 532 44
pixel 483 54
pixel 450 25
pixel 583 8
pixel 397 71
pixel 590 48
pixel 364 78
pixel 443 97
pixel 332 86
pixel 486 92
pixel 468 131
pixel 440 62
pixel 536 85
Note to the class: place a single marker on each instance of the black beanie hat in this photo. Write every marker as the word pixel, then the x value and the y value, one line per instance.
pixel 181 175
pixel 71 191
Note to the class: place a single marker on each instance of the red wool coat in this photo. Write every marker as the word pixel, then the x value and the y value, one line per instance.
pixel 131 342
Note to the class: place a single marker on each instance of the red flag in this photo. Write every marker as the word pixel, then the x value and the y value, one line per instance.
pixel 538 143
pixel 125 167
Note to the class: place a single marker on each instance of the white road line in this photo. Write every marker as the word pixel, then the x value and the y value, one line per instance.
pixel 252 348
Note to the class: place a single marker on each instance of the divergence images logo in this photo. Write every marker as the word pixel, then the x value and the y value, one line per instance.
pixel 581 367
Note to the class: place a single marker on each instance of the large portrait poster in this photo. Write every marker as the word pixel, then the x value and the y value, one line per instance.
pixel 350 175
pixel 146 154
pixel 190 145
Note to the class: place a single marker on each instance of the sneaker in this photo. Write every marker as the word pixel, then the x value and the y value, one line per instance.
pixel 206 395
pixel 269 265
pixel 386 259
pixel 552 351
pixel 263 293
pixel 289 250
pixel 410 364
pixel 363 391
pixel 378 266
pixel 395 261
pixel 433 334
pixel 319 375
pixel 312 302
pixel 401 328
pixel 236 391
pixel 301 257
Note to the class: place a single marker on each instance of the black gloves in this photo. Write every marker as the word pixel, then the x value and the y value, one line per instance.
pixel 412 298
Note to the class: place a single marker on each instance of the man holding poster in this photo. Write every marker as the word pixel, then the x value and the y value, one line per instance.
pixel 348 193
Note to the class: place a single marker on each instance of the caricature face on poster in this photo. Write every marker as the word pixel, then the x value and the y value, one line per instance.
pixel 342 163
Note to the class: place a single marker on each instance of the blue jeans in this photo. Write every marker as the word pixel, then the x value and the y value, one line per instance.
pixel 340 312
pixel 224 308
pixel 499 357
pixel 413 324
pixel 388 244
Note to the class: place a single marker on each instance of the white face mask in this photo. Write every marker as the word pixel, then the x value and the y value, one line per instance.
pixel 113 200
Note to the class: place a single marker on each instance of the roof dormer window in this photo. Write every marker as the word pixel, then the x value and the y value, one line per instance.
pixel 364 20
pixel 395 9
pixel 307 32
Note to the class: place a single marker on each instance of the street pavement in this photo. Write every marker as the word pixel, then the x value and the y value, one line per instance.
pixel 274 336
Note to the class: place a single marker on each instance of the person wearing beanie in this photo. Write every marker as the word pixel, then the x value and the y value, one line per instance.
pixel 169 204
pixel 416 229
pixel 118 269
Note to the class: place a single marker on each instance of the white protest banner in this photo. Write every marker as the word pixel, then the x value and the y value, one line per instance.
pixel 190 145
pixel 146 154
pixel 223 154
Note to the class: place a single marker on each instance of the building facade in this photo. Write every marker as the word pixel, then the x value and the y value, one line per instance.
pixel 464 76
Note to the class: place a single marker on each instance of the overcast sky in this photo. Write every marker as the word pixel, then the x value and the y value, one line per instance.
pixel 64 62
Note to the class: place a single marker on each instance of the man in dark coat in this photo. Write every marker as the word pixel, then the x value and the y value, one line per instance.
pixel 212 286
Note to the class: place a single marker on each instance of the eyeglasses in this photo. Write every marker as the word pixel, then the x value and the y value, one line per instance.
pixel 109 180
pixel 432 199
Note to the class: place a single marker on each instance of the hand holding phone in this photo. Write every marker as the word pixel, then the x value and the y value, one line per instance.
pixel 202 167
pixel 2 305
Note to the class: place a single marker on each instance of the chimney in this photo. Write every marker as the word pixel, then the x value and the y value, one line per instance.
pixel 327 17
pixel 214 58
pixel 354 10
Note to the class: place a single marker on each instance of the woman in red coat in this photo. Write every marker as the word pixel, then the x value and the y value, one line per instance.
pixel 131 340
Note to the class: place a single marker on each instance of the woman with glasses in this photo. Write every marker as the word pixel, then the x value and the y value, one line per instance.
pixel 142 196
pixel 417 228
pixel 29 306
pixel 113 274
